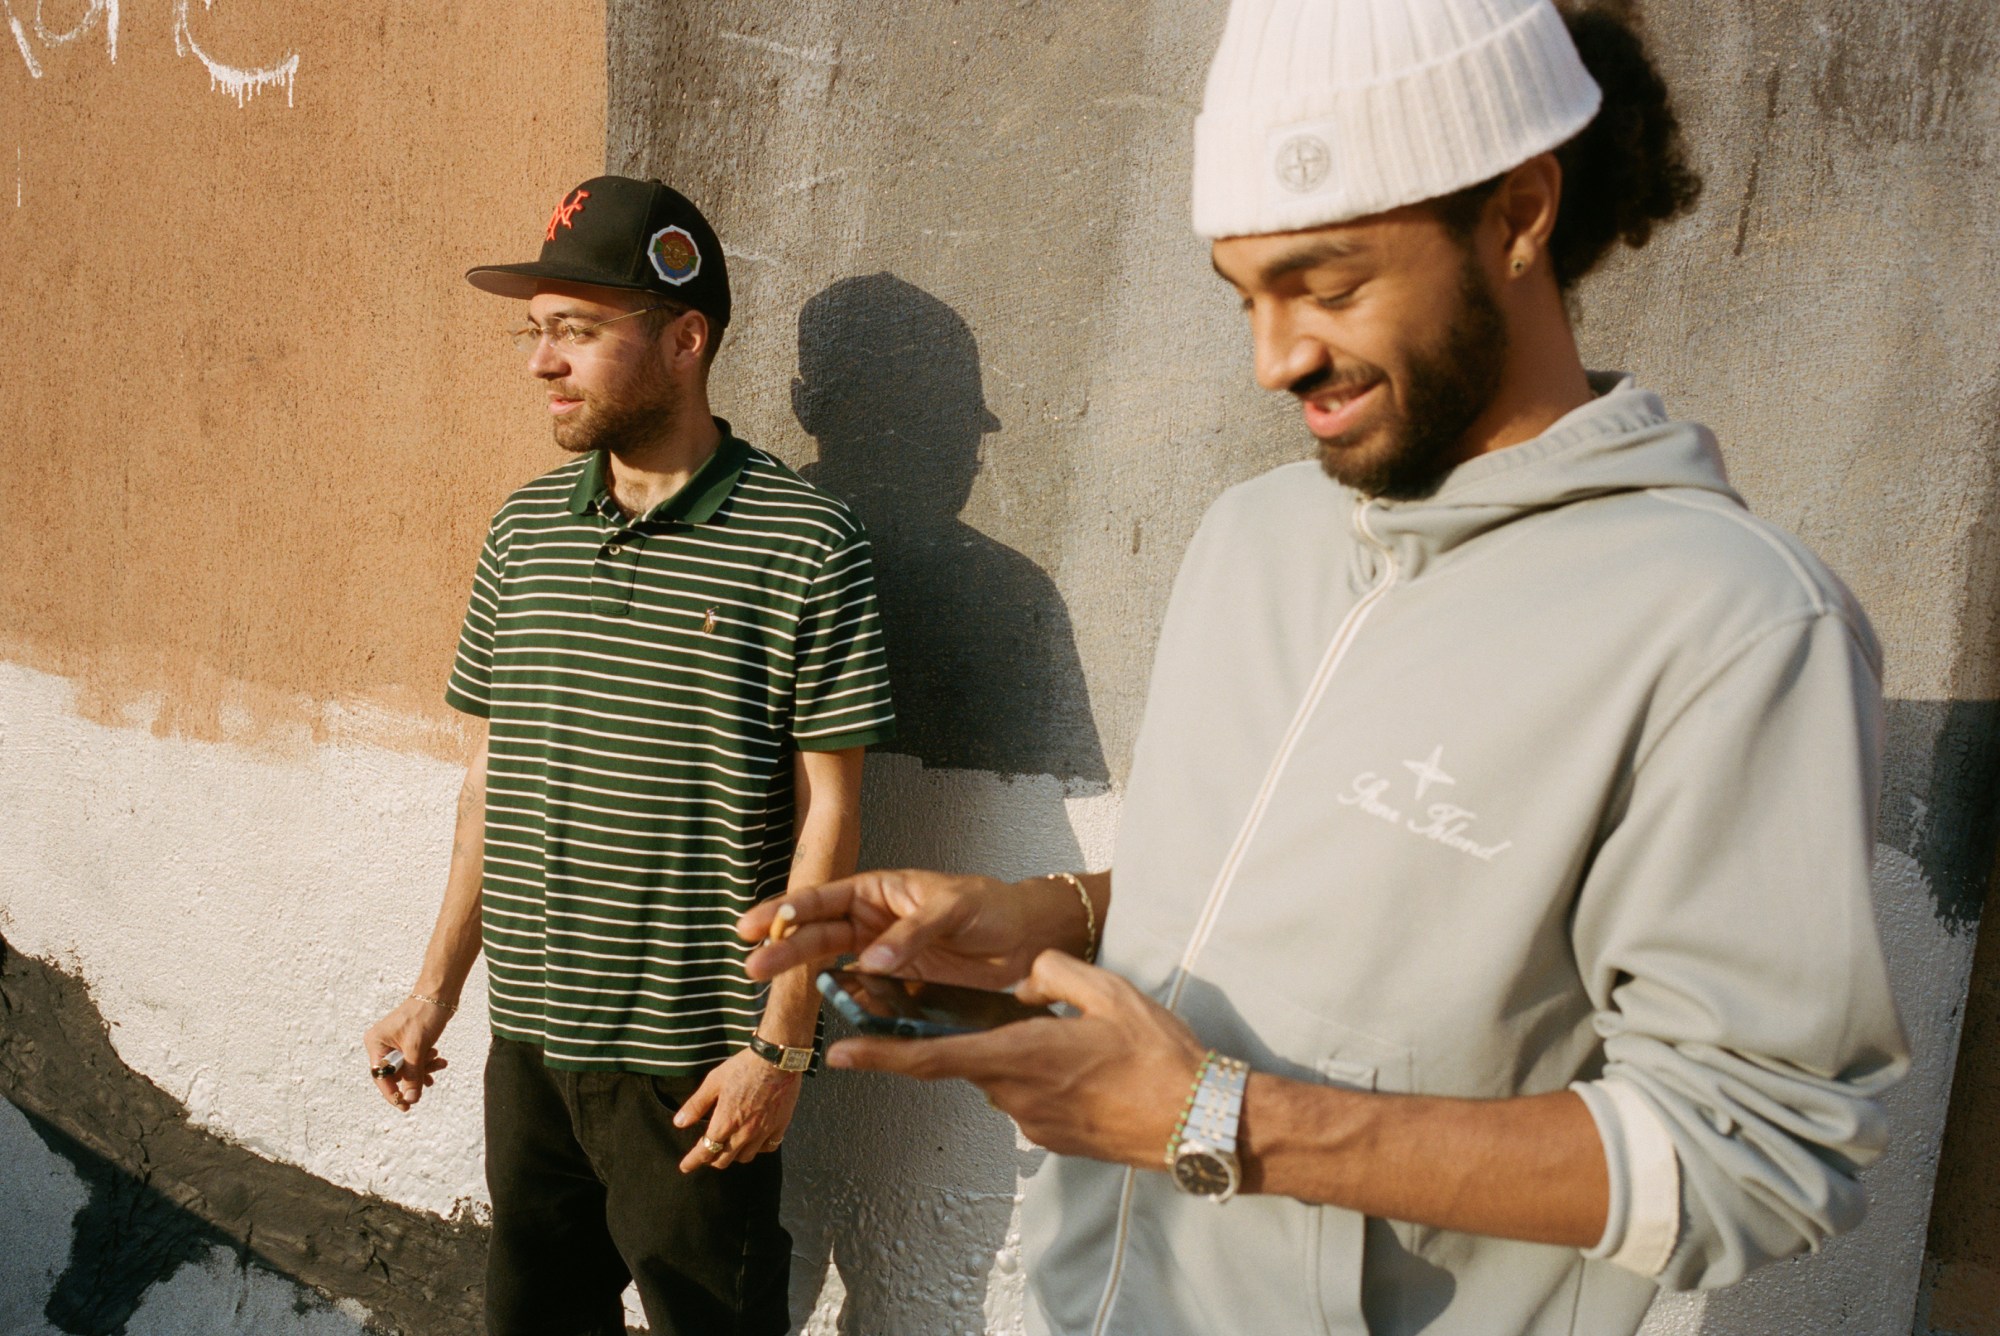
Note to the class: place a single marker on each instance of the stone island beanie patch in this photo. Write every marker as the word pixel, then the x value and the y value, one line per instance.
pixel 615 232
pixel 1320 111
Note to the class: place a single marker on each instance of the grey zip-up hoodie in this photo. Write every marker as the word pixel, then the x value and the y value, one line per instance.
pixel 1563 777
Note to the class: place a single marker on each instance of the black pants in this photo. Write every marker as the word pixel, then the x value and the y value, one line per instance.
pixel 588 1196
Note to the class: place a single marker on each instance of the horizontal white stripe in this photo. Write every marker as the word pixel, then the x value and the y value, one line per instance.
pixel 668 687
pixel 684 569
pixel 858 726
pixel 643 862
pixel 711 832
pixel 547 759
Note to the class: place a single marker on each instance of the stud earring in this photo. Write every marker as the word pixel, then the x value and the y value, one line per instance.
pixel 1519 264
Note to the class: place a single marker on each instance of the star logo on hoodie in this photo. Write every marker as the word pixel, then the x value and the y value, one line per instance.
pixel 1429 772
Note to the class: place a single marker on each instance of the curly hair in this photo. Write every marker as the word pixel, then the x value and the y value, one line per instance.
pixel 1623 174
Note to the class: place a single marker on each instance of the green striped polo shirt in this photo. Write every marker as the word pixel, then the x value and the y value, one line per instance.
pixel 648 681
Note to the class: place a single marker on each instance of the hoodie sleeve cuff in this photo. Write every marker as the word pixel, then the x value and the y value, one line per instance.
pixel 1644 1222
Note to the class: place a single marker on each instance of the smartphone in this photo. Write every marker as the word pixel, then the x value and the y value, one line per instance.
pixel 914 1009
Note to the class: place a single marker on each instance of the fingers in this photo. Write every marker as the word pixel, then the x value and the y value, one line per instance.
pixel 928 920
pixel 888 916
pixel 806 944
pixel 378 1047
pixel 712 1151
pixel 701 1101
pixel 1058 976
pixel 971 1057
pixel 828 903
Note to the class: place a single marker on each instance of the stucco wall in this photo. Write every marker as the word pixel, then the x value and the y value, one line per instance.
pixel 967 300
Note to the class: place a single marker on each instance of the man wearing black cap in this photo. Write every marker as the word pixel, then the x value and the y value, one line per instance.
pixel 674 642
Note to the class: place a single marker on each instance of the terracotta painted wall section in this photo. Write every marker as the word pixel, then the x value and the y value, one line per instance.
pixel 256 419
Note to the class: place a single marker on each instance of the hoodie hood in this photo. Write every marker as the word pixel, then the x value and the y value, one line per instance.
pixel 1621 441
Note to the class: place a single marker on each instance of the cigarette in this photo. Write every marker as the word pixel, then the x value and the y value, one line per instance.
pixel 782 923
pixel 392 1063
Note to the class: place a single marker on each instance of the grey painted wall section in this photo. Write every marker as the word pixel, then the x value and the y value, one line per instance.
pixel 1829 311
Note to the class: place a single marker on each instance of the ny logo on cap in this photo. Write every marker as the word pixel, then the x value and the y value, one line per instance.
pixel 572 204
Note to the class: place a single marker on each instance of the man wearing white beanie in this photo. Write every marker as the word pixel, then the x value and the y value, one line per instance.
pixel 1493 944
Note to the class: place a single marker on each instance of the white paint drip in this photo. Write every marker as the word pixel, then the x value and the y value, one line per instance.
pixel 105 10
pixel 242 84
pixel 21 40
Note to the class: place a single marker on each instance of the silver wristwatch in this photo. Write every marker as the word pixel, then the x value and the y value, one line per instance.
pixel 1202 1157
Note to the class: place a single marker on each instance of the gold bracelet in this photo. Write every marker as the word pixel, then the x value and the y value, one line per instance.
pixel 448 1008
pixel 1089 914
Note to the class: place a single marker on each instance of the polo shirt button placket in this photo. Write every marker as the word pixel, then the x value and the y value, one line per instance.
pixel 612 575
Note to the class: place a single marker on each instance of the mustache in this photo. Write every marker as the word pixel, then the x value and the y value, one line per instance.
pixel 562 390
pixel 1325 378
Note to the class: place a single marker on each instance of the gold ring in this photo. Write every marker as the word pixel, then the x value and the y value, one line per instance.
pixel 712 1146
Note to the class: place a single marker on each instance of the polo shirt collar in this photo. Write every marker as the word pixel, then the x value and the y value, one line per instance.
pixel 696 502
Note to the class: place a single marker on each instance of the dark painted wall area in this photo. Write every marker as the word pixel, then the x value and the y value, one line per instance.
pixel 163 1192
pixel 1941 799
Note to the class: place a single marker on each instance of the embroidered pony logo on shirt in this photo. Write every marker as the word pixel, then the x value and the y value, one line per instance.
pixel 1441 823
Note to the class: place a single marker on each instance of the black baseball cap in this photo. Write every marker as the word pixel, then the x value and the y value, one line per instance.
pixel 615 232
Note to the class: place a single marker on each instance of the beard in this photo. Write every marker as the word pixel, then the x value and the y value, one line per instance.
pixel 1448 386
pixel 631 416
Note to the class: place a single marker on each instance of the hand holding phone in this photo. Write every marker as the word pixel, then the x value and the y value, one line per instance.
pixel 881 1004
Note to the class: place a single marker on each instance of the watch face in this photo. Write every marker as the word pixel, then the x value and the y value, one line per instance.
pixel 1205 1173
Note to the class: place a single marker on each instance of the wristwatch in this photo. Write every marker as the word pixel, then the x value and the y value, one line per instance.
pixel 784 1059
pixel 1202 1154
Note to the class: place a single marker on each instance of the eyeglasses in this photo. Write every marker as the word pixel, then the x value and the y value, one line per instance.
pixel 573 333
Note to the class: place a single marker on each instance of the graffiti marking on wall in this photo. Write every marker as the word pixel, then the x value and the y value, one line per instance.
pixel 240 83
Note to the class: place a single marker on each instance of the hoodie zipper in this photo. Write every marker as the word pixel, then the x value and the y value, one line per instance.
pixel 1336 650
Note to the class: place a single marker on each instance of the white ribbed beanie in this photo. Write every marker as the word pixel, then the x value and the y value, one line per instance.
pixel 1318 111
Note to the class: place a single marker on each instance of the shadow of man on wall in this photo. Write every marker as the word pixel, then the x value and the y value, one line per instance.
pixel 981 652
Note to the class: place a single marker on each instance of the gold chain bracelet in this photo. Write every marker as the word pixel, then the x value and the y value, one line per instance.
pixel 1089 914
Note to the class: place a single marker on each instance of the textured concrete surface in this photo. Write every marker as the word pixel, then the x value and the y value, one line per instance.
pixel 264 432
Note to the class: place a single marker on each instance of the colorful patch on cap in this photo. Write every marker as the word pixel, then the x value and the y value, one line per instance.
pixel 675 256
pixel 570 206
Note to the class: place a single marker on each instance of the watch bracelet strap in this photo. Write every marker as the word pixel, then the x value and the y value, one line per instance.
pixel 775 1054
pixel 1214 1108
pixel 1217 1109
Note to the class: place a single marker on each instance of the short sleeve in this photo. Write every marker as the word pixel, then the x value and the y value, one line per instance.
pixel 470 687
pixel 840 669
